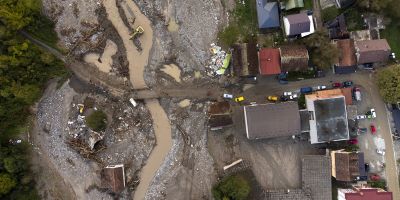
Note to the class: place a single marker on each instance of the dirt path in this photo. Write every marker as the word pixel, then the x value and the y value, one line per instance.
pixel 137 60
pixel 162 129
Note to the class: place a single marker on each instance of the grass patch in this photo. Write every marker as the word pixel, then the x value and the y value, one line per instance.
pixel 308 4
pixel 97 121
pixel 232 187
pixel 242 26
pixel 391 33
pixel 329 13
pixel 354 20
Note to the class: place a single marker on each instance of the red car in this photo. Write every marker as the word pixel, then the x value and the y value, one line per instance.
pixel 353 141
pixel 375 177
pixel 373 129
pixel 336 85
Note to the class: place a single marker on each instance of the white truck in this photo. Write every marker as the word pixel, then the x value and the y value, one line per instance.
pixel 357 93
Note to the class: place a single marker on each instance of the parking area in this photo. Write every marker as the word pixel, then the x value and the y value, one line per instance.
pixel 367 142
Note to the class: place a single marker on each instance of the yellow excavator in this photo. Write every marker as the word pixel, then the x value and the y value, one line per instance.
pixel 137 32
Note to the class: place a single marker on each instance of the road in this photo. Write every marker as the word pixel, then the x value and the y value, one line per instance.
pixel 270 86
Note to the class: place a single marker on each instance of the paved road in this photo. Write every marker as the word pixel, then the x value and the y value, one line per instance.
pixel 270 86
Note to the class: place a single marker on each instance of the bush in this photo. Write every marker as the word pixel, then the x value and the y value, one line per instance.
pixel 229 35
pixel 97 121
pixel 378 184
pixel 232 188
pixel 329 13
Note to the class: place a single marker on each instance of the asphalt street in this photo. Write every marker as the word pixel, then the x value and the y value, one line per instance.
pixel 270 86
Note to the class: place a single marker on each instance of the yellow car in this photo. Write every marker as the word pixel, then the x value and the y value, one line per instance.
pixel 239 99
pixel 272 98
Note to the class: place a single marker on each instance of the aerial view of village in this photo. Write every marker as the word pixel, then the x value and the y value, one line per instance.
pixel 199 99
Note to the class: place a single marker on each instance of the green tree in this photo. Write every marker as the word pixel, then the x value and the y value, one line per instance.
pixel 232 188
pixel 97 121
pixel 389 83
pixel 322 52
pixel 18 14
pixel 7 183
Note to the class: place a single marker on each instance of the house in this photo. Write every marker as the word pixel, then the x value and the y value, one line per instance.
pixel 268 14
pixel 337 28
pixel 316 181
pixel 298 24
pixel 270 61
pixel 364 193
pixel 372 51
pixel 344 3
pixel 291 4
pixel 347 166
pixel 348 95
pixel 245 59
pixel 328 120
pixel 113 177
pixel 219 115
pixel 347 61
pixel 272 120
pixel 294 58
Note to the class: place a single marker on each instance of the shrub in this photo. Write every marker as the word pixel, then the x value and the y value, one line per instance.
pixel 97 121
pixel 232 188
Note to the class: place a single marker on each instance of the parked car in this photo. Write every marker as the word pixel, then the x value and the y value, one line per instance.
pixel 239 99
pixel 357 93
pixel 380 151
pixel 353 141
pixel 272 98
pixel 361 117
pixel 375 177
pixel 228 96
pixel 133 102
pixel 306 90
pixel 321 87
pixel 284 98
pixel 366 166
pixel 368 66
pixel 294 96
pixel 336 85
pixel 347 83
pixel 283 81
pixel 373 113
pixel 373 129
pixel 287 93
pixel 362 130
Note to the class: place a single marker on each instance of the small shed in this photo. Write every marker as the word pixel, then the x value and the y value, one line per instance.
pixel 270 61
pixel 113 177
pixel 245 59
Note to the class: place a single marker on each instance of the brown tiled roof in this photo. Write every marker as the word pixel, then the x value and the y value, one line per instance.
pixel 346 165
pixel 347 56
pixel 348 96
pixel 112 177
pixel 219 108
pixel 245 59
pixel 371 51
pixel 294 58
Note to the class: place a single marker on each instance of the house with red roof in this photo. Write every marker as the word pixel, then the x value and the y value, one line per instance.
pixel 270 61
pixel 364 193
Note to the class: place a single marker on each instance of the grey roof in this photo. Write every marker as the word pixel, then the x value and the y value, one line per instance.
pixel 305 120
pixel 299 23
pixel 316 176
pixel 272 120
pixel 268 14
pixel 396 119
pixel 292 194
pixel 331 118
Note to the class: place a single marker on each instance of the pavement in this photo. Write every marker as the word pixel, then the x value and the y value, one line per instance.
pixel 270 86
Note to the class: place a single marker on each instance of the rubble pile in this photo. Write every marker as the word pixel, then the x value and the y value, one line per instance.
pixel 216 62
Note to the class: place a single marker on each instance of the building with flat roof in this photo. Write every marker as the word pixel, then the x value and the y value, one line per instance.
pixel 347 166
pixel 328 116
pixel 219 115
pixel 364 193
pixel 272 120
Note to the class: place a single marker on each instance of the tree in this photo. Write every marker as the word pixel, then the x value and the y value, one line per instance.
pixel 323 53
pixel 7 183
pixel 389 83
pixel 17 14
pixel 97 121
pixel 232 188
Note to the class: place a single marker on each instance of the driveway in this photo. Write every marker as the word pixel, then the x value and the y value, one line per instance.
pixel 270 86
